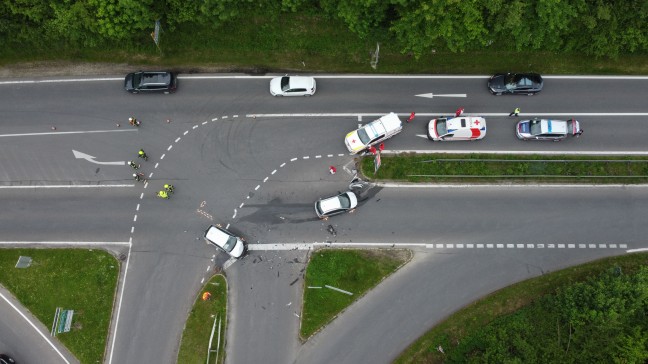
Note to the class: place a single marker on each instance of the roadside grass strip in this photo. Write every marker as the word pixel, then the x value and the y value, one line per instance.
pixel 336 278
pixel 207 323
pixel 73 279
pixel 498 168
pixel 590 325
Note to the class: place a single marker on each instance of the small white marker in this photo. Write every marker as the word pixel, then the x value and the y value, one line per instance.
pixel 293 159
pixel 224 117
pixel 150 175
pixel 137 208
pixel 318 156
pixel 233 216
pixel 156 165
pixel 145 185
pixel 132 229
pixel 282 164
pixel 205 122
pixel 177 140
pixel 186 132
pixel 341 155
pixel 169 148
pixel 305 157
pixel 207 270
pixel 241 205
pixel 257 187
pixel 273 172
pixel 202 280
pixel 330 155
pixel 135 218
pixel 226 227
pixel 214 119
pixel 162 157
pixel 194 127
pixel 265 180
pixel 141 195
pixel 235 116
pixel 359 117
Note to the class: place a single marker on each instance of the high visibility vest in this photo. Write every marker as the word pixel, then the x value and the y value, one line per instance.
pixel 141 152
pixel 162 194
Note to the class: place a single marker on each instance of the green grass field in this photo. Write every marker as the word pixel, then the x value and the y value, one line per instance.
pixel 354 271
pixel 81 280
pixel 197 331
pixel 498 168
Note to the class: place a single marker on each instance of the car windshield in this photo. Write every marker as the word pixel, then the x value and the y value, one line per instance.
pixel 229 244
pixel 285 83
pixel 137 79
pixel 441 128
pixel 364 137
pixel 345 202
pixel 534 127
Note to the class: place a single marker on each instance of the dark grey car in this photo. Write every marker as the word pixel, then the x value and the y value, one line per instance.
pixel 151 81
pixel 515 83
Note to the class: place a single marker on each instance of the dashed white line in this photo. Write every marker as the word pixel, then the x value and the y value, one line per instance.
pixel 150 175
pixel 318 156
pixel 177 140
pixel 224 117
pixel 293 159
pixel 137 208
pixel 186 132
pixel 308 246
pixel 273 172
pixel 214 119
pixel 202 280
pixel 257 187
pixel 235 116
pixel 132 229
pixel 169 148
pixel 233 216
pixel 205 122
pixel 306 157
pixel 226 227
pixel 194 127
pixel 241 205
pixel 207 270
pixel 341 155
pixel 282 164
pixel 141 195
pixel 135 218
pixel 162 157
pixel 156 165
pixel 265 180
pixel 64 243
pixel 330 155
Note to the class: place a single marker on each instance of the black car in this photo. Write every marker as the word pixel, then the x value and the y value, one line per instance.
pixel 151 81
pixel 515 83
pixel 6 359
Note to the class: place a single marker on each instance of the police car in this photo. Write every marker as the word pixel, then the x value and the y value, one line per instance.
pixel 547 129
pixel 373 133
pixel 457 128
pixel 225 241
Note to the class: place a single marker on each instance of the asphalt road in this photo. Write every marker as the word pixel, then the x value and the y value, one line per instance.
pixel 262 174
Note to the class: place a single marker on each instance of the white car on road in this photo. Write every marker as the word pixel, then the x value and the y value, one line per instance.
pixel 334 205
pixel 292 86
pixel 373 133
pixel 225 241
pixel 457 128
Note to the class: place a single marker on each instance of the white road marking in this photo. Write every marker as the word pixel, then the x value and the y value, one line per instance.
pixel 446 112
pixel 141 195
pixel 137 208
pixel 265 180
pixel 359 118
pixel 318 156
pixel 282 164
pixel 162 157
pixel 170 146
pixel 523 152
pixel 257 187
pixel 224 117
pixel 194 127
pixel 235 116
pixel 341 155
pixel 177 140
pixel 68 186
pixel 202 280
pixel 431 95
pixel 306 157
pixel 156 165
pixel 233 216
pixel 135 218
pixel 214 119
pixel 186 132
pixel 35 328
pixel 121 296
pixel 293 159
pixel 330 155
pixel 637 250
pixel 508 186
pixel 132 229
pixel 314 245
pixel 58 243
pixel 207 270
pixel 204 122
pixel 241 205
pixel 150 174
pixel 68 132
pixel 228 263
pixel 91 159
pixel 273 172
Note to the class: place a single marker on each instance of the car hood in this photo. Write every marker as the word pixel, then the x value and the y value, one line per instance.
pixel 353 142
pixel 275 86
pixel 128 82
pixel 239 249
pixel 497 82
pixel 523 127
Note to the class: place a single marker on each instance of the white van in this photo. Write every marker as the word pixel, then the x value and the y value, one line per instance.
pixel 373 133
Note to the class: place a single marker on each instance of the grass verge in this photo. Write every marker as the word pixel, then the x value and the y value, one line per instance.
pixel 506 301
pixel 308 43
pixel 198 328
pixel 491 168
pixel 81 280
pixel 354 271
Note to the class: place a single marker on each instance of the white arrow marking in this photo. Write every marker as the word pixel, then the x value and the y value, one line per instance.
pixel 431 95
pixel 89 158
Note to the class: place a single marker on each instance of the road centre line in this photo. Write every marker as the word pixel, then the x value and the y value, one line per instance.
pixel 69 132
pixel 169 148
pixel 436 114
pixel 186 132
pixel 65 243
pixel 35 328
pixel 67 186
pixel 310 246
pixel 506 186
pixel 177 140
pixel 113 337
pixel 243 77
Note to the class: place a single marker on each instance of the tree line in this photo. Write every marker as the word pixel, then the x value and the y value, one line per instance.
pixel 592 27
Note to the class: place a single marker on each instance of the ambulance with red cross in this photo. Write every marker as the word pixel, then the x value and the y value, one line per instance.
pixel 456 128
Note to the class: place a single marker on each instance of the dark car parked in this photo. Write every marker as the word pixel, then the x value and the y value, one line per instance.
pixel 515 83
pixel 6 359
pixel 151 81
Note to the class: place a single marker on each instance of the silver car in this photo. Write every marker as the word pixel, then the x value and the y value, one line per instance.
pixel 225 241
pixel 547 129
pixel 335 205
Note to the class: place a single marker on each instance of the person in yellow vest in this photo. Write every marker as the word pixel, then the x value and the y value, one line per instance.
pixel 515 112
pixel 163 194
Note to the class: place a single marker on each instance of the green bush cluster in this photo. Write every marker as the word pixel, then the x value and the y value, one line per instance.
pixel 597 28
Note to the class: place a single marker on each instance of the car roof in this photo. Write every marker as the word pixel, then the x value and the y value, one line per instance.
pixel 217 235
pixel 156 77
pixel 548 126
pixel 465 122
pixel 329 204
pixel 390 121
pixel 301 82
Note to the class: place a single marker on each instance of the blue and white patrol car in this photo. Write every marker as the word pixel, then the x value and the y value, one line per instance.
pixel 547 129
